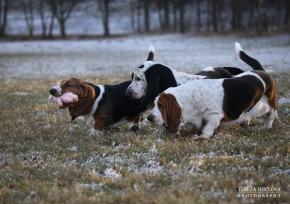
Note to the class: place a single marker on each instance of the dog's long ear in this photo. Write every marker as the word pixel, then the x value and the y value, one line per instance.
pixel 151 54
pixel 170 110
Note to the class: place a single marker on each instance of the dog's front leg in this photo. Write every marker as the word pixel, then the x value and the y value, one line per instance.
pixel 212 123
pixel 136 124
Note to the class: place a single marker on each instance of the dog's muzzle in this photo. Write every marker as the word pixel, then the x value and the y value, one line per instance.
pixel 129 92
pixel 53 91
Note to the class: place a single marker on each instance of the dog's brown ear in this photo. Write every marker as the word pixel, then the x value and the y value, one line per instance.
pixel 87 90
pixel 170 110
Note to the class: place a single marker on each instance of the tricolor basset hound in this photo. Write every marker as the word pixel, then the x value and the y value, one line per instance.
pixel 209 103
pixel 103 106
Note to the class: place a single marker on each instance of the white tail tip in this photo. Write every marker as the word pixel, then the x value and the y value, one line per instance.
pixel 238 48
pixel 151 49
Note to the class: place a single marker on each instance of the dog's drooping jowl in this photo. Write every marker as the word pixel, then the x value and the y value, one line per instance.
pixel 208 103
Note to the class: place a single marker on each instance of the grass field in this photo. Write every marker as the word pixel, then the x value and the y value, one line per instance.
pixel 46 159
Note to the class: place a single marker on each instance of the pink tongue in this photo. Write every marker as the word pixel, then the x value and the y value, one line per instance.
pixel 65 98
pixel 69 97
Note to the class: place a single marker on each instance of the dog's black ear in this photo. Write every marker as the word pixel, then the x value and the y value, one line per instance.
pixel 151 54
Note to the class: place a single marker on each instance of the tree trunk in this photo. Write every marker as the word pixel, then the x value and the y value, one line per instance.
pixel 3 17
pixel 105 13
pixel 263 19
pixel 160 18
pixel 236 15
pixel 62 28
pixel 175 15
pixel 219 15
pixel 250 19
pixel 132 14
pixel 146 16
pixel 198 15
pixel 106 18
pixel 27 7
pixel 42 17
pixel 31 16
pixel 166 15
pixel 139 17
pixel 51 25
pixel 61 10
pixel 287 14
pixel 181 16
pixel 208 19
pixel 214 16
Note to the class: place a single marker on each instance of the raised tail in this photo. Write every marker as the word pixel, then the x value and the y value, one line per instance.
pixel 255 64
pixel 151 54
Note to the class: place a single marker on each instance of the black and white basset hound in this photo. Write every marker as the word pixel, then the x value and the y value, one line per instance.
pixel 151 78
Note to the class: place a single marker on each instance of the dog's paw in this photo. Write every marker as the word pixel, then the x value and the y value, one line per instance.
pixel 94 132
pixel 200 137
pixel 245 124
pixel 134 128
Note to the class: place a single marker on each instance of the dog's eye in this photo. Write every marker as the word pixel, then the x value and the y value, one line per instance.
pixel 137 79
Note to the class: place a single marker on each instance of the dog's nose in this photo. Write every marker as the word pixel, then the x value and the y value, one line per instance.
pixel 53 91
pixel 150 118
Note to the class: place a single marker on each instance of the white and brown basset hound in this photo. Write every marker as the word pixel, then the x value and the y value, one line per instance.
pixel 209 103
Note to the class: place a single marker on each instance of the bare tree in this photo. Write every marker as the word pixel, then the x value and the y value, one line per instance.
pixel 198 15
pixel 132 14
pixel 174 10
pixel 138 16
pixel 41 10
pixel 3 16
pixel 181 8
pixel 166 13
pixel 46 17
pixel 208 19
pixel 104 8
pixel 28 11
pixel 214 15
pixel 287 15
pixel 62 10
pixel 262 18
pixel 51 25
pixel 146 4
pixel 236 15
pixel 160 17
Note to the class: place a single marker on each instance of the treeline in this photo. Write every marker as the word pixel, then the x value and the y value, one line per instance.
pixel 147 16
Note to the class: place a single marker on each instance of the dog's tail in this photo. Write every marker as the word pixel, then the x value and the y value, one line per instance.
pixel 151 54
pixel 255 64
